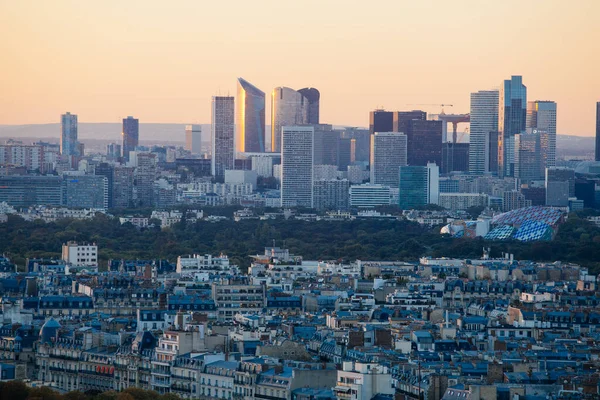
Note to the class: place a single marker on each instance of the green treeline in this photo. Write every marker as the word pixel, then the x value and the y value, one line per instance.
pixel 17 390
pixel 577 241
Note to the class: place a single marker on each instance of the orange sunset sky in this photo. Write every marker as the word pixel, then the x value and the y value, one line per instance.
pixel 162 61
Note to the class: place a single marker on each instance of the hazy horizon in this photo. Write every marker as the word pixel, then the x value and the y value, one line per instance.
pixel 106 60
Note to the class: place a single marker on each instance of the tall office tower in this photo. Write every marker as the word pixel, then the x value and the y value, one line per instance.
pixel 560 185
pixel 108 171
pixel 24 191
pixel 297 166
pixel 418 186
pixel 331 194
pixel 288 108
pixel 401 119
pixel 145 175
pixel 123 178
pixel 86 191
pixel 484 121
pixel 529 161
pixel 314 99
pixel 131 135
pixel 424 142
pixel 381 121
pixel 388 153
pixel 598 131
pixel 492 152
pixel 541 115
pixel 250 118
pixel 344 154
pixel 68 140
pixel 512 118
pixel 455 157
pixel 113 151
pixel 222 135
pixel 325 144
pixel 193 139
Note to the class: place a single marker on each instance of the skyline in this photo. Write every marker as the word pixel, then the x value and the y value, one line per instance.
pixel 163 68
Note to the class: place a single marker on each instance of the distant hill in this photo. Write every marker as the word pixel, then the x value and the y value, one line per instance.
pixel 101 130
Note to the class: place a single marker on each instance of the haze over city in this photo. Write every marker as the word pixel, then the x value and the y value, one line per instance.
pixel 107 60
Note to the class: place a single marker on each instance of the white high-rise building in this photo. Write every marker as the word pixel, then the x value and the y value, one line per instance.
pixel 541 115
pixel 484 120
pixel 222 135
pixel 297 149
pixel 193 139
pixel 388 154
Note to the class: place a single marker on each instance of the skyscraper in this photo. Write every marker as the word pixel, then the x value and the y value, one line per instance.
pixel 512 116
pixel 131 135
pixel 193 139
pixel 68 140
pixel 541 115
pixel 250 118
pixel 418 186
pixel 529 158
pixel 424 142
pixel 455 157
pixel 297 166
pixel 401 119
pixel 145 175
pixel 222 134
pixel 123 178
pixel 560 185
pixel 108 171
pixel 314 99
pixel 598 131
pixel 288 108
pixel 484 120
pixel 388 153
pixel 381 121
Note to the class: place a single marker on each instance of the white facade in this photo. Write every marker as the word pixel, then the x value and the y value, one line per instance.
pixel 484 119
pixel 263 166
pixel 297 166
pixel 541 115
pixel 361 381
pixel 80 255
pixel 240 177
pixel 433 183
pixel 388 153
pixel 369 196
pixel 462 201
pixel 193 138
pixel 204 263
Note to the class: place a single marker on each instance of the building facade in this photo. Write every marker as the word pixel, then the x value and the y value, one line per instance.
pixel 418 186
pixel 541 116
pixel 484 120
pixel 250 118
pixel 331 194
pixel 369 196
pixel 381 121
pixel 512 116
pixel 388 153
pixel 297 166
pixel 193 139
pixel 288 108
pixel 68 141
pixel 131 135
pixel 222 135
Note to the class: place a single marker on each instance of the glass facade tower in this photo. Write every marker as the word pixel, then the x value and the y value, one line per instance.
pixel 512 118
pixel 484 125
pixel 68 140
pixel 250 118
pixel 288 108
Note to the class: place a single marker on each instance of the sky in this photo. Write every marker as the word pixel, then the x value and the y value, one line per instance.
pixel 162 61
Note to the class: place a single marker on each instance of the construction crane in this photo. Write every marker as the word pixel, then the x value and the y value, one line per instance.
pixel 432 105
